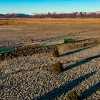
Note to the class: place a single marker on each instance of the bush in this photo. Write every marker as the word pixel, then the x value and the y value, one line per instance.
pixel 57 67
pixel 6 53
pixel 68 40
pixel 56 52
pixel 6 50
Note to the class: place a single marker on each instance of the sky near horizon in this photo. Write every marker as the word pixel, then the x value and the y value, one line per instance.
pixel 44 6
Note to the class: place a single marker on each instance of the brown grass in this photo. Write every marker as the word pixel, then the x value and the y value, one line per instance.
pixel 55 52
pixel 73 96
pixel 56 68
pixel 17 21
pixel 36 29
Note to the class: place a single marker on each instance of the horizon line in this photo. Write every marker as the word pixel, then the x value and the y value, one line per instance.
pixel 51 12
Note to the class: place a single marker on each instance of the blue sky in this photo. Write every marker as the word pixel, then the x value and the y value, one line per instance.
pixel 44 6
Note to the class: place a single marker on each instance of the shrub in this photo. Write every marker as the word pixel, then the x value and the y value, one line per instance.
pixel 68 40
pixel 56 52
pixel 6 53
pixel 57 67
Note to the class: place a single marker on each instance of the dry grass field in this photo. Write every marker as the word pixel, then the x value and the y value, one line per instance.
pixel 70 71
pixel 26 29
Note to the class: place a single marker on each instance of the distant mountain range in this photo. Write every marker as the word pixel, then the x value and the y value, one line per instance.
pixel 14 15
pixel 54 15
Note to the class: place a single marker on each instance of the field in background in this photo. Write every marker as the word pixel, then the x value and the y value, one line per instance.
pixel 15 21
pixel 37 29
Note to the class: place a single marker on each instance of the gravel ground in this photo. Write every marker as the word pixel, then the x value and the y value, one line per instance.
pixel 30 78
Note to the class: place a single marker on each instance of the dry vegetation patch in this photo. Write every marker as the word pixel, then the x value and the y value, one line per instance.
pixel 73 95
pixel 56 68
pixel 23 21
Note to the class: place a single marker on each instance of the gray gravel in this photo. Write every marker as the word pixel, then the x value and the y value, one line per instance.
pixel 25 78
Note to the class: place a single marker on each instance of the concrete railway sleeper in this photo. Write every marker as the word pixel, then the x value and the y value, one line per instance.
pixel 30 49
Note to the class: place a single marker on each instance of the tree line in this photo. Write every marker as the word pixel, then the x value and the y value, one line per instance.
pixel 53 15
